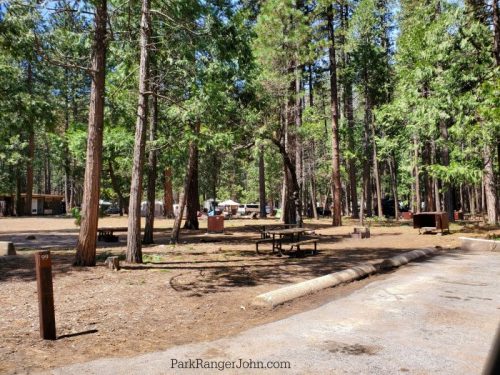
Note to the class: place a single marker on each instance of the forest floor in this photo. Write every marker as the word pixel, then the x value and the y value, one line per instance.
pixel 198 290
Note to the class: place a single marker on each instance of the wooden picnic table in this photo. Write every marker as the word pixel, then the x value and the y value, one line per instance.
pixel 106 234
pixel 264 228
pixel 278 236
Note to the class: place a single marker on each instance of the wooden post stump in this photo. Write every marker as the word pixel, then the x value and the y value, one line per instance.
pixel 113 263
pixel 7 248
pixel 361 232
pixel 43 265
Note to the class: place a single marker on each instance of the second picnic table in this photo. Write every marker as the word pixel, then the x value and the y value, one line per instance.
pixel 264 229
pixel 293 239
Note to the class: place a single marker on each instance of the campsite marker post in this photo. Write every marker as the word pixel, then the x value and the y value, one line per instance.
pixel 43 265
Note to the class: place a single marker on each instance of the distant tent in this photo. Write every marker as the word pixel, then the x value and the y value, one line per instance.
pixel 229 202
pixel 230 206
pixel 158 208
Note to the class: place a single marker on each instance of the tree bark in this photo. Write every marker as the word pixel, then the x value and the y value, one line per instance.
pixel 19 207
pixel 168 195
pixel 367 197
pixel 298 140
pixel 394 184
pixel 435 182
pixel 416 171
pixel 489 186
pixel 67 161
pixel 116 186
pixel 192 193
pixel 313 190
pixel 336 183
pixel 445 160
pixel 134 247
pixel 291 210
pixel 349 115
pixel 86 247
pixel 174 238
pixel 152 172
pixel 262 184
pixel 48 167
pixel 176 229
pixel 31 152
pixel 429 188
pixel 292 197
pixel 376 173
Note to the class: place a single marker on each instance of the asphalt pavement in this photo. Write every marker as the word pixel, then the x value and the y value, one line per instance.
pixel 437 316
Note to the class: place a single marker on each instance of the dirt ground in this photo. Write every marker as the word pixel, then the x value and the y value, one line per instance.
pixel 200 289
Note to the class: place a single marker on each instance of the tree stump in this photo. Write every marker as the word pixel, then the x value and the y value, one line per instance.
pixel 7 248
pixel 361 232
pixel 113 263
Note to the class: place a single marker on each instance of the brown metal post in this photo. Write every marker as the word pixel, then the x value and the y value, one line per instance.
pixel 43 265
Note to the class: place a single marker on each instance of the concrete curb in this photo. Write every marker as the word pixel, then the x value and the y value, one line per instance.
pixel 479 244
pixel 279 296
pixel 405 258
pixel 288 293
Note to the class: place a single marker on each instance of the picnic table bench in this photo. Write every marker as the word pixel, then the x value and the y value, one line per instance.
pixel 106 234
pixel 288 236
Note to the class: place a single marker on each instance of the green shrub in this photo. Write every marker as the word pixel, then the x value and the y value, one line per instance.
pixel 76 214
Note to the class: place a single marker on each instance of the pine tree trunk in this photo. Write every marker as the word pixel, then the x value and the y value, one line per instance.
pixel 31 152
pixel 394 184
pixel 416 169
pixel 472 199
pixel 116 186
pixel 152 172
pixel 134 246
pixel 19 207
pixel 429 188
pixel 313 198
pixel 262 184
pixel 86 247
pixel 48 167
pixel 29 173
pixel 192 195
pixel 367 197
pixel 349 116
pixel 336 183
pixel 67 156
pixel 496 51
pixel 489 186
pixel 168 195
pixel 283 197
pixel 445 160
pixel 435 182
pixel 352 161
pixel 174 238
pixel 376 174
pixel 298 140
pixel 291 198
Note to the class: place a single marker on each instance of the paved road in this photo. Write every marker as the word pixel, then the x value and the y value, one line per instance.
pixel 434 317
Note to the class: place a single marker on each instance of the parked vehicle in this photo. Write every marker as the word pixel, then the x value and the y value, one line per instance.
pixel 323 212
pixel 245 209
pixel 113 210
